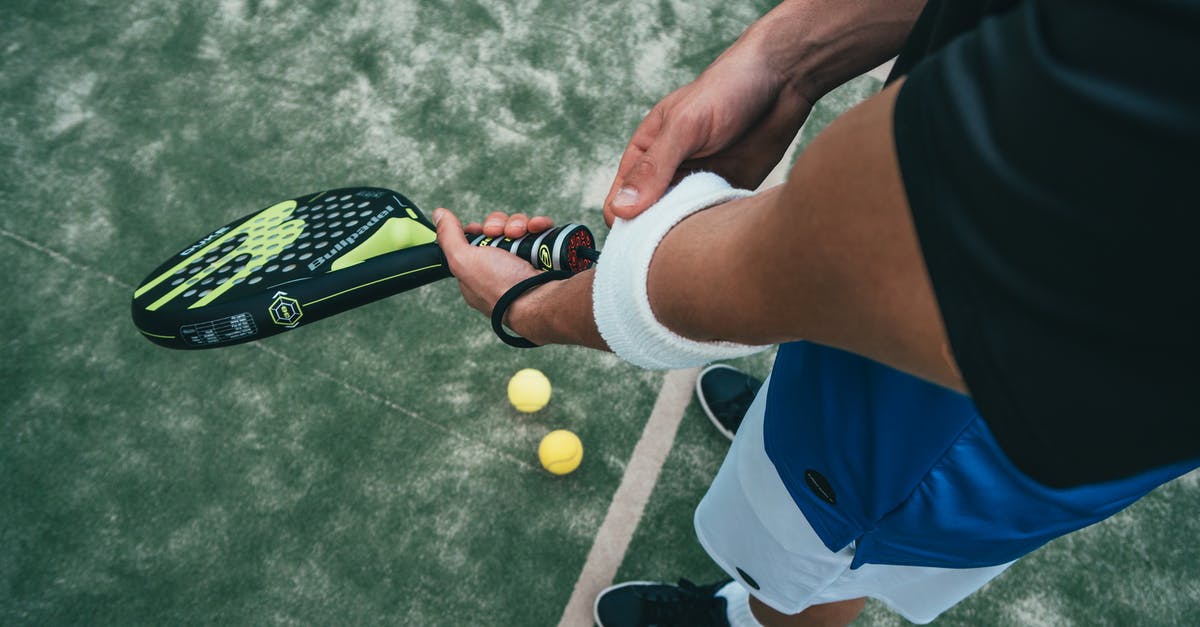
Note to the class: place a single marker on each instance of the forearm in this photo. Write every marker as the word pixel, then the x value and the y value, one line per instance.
pixel 559 312
pixel 831 256
pixel 816 45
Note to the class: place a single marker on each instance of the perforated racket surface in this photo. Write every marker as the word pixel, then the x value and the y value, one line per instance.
pixel 307 258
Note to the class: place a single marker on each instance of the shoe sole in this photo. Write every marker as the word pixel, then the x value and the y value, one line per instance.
pixel 708 412
pixel 596 603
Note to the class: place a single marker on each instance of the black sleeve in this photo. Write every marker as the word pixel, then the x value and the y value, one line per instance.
pixel 1050 157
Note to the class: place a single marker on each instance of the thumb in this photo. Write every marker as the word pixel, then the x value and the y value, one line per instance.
pixel 646 180
pixel 450 235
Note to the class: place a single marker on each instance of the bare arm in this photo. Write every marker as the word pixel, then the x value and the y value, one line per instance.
pixel 831 256
pixel 739 116
pixel 820 44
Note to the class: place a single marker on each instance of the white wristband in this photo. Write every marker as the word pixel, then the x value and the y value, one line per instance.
pixel 620 302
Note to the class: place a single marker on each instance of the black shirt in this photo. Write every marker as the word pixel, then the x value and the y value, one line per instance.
pixel 1050 152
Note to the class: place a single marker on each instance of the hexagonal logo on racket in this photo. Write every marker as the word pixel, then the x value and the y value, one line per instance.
pixel 285 310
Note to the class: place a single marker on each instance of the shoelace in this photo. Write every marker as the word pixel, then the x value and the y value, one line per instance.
pixel 688 605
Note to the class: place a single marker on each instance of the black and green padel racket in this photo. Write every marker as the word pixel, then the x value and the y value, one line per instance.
pixel 311 257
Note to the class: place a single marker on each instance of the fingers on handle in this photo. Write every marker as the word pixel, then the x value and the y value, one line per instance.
pixel 515 226
pixel 493 224
pixel 537 224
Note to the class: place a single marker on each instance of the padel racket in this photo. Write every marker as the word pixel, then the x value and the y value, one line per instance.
pixel 309 258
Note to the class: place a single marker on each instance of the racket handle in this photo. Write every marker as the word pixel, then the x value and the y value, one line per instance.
pixel 570 247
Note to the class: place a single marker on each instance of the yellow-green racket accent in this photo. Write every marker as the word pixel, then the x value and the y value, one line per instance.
pixel 395 234
pixel 269 231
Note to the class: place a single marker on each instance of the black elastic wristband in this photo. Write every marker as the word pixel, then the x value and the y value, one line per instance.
pixel 511 295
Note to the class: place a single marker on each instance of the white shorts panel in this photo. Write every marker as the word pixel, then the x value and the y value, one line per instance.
pixel 748 521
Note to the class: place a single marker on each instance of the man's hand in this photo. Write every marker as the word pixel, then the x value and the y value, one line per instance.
pixel 559 312
pixel 499 223
pixel 737 119
pixel 484 273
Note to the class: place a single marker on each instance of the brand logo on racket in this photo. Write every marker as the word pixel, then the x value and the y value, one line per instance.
pixel 349 240
pixel 544 258
pixel 285 310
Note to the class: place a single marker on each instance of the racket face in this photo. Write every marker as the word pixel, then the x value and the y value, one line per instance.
pixel 289 264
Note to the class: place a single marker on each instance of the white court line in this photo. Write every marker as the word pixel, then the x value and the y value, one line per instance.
pixel 882 71
pixel 608 549
pixel 57 256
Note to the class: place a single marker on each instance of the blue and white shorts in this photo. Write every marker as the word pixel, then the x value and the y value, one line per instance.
pixel 752 528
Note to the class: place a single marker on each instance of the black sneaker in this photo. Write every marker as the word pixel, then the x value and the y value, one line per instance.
pixel 725 393
pixel 645 603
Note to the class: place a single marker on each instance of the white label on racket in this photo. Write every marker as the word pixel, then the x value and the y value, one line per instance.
pixel 219 331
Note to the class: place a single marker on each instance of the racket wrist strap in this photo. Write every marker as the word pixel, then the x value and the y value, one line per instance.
pixel 513 294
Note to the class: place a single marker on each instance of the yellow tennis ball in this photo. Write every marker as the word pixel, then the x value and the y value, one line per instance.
pixel 529 390
pixel 560 452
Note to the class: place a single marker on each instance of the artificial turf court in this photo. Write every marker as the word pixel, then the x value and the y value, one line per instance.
pixel 367 469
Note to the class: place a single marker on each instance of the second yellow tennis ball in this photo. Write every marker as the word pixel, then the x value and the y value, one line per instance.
pixel 560 452
pixel 529 390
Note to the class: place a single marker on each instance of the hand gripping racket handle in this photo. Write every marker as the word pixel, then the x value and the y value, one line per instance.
pixel 570 247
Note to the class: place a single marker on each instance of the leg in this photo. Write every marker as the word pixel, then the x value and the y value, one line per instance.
pixel 824 615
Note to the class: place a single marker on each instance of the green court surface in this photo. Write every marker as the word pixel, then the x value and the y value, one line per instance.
pixel 366 469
